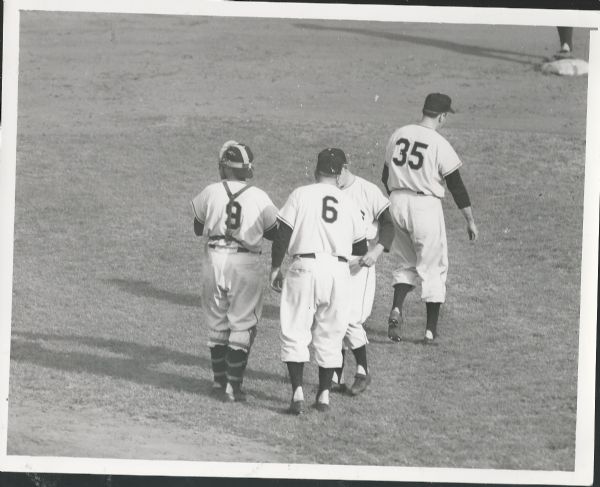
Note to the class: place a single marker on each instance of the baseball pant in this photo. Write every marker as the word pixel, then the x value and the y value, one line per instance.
pixel 232 297
pixel 362 294
pixel 314 309
pixel 420 245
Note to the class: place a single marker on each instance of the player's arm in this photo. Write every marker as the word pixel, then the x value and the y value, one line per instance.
pixel 269 216
pixel 384 243
pixel 360 247
pixel 385 175
pixel 278 250
pixel 271 233
pixel 199 210
pixel 198 227
pixel 461 198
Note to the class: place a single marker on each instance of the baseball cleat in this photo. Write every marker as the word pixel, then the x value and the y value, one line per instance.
pixel 361 382
pixel 429 338
pixel 564 53
pixel 234 394
pixel 296 407
pixel 394 325
pixel 322 401
pixel 339 388
pixel 217 390
pixel 322 407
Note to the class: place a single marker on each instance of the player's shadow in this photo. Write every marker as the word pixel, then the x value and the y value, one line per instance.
pixel 488 52
pixel 121 360
pixel 148 290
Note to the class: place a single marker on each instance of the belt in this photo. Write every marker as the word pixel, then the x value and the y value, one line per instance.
pixel 239 249
pixel 406 189
pixel 314 256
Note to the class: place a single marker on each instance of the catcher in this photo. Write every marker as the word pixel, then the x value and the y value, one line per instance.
pixel 235 217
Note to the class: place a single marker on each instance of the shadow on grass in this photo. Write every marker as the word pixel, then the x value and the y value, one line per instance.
pixel 139 366
pixel 488 52
pixel 146 289
pixel 387 341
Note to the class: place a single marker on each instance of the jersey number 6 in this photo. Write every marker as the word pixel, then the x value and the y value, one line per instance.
pixel 403 146
pixel 234 215
pixel 329 213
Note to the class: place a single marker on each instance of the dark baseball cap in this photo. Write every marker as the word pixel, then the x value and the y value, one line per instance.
pixel 331 161
pixel 437 103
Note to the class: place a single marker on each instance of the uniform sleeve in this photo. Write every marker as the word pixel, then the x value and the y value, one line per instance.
pixel 447 158
pixel 378 202
pixel 268 214
pixel 359 230
pixel 389 149
pixel 288 213
pixel 199 207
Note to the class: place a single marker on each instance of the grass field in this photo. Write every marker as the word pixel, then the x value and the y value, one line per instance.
pixel 120 120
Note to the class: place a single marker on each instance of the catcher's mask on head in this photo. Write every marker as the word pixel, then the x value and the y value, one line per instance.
pixel 238 157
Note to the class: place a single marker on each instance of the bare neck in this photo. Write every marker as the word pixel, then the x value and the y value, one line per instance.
pixel 429 122
pixel 327 180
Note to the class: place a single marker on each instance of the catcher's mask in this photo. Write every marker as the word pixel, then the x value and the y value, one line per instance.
pixel 238 157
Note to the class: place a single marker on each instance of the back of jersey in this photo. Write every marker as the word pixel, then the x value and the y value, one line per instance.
pixel 418 159
pixel 238 219
pixel 323 219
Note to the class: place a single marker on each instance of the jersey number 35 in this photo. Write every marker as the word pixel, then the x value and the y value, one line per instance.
pixel 401 154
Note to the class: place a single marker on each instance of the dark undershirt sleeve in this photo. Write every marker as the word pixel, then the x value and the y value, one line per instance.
pixel 198 227
pixel 271 233
pixel 457 188
pixel 385 174
pixel 386 230
pixel 360 247
pixel 280 243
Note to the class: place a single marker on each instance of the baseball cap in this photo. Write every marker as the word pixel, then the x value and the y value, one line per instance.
pixel 438 103
pixel 331 161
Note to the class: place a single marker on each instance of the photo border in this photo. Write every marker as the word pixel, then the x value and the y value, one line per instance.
pixel 584 450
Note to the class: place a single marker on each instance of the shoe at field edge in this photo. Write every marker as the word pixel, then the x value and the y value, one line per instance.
pixel 296 407
pixel 361 382
pixel 563 54
pixel 395 322
pixel 429 338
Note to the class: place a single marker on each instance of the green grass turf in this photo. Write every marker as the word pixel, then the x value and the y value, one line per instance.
pixel 113 146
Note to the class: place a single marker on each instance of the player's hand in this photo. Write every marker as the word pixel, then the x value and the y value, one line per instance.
pixel 276 279
pixel 472 231
pixel 370 258
pixel 354 265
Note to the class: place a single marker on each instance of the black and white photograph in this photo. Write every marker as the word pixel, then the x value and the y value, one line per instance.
pixel 299 241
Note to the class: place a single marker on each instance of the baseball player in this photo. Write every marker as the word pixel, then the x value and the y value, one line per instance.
pixel 321 228
pixel 417 162
pixel 374 208
pixel 235 217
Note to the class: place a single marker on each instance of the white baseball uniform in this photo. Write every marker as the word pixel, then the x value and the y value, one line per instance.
pixel 418 159
pixel 235 217
pixel 316 290
pixel 371 202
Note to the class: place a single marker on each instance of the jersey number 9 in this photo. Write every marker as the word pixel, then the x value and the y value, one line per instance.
pixel 329 212
pixel 402 146
pixel 234 215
